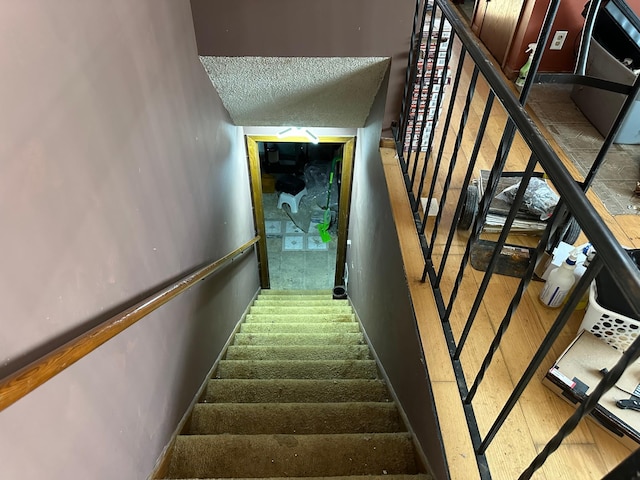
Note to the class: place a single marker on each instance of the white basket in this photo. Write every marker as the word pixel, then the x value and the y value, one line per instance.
pixel 615 329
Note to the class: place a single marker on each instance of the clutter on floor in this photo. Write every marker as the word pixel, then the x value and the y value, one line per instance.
pixel 298 258
pixel 608 328
pixel 578 371
pixel 532 214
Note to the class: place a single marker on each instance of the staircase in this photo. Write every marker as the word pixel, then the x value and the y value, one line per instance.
pixel 296 395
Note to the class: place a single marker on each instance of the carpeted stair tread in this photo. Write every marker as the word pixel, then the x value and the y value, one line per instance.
pixel 296 301
pixel 302 298
pixel 297 292
pixel 281 327
pixel 313 369
pixel 296 395
pixel 298 339
pixel 417 476
pixel 300 318
pixel 204 456
pixel 294 391
pixel 301 309
pixel 297 352
pixel 294 418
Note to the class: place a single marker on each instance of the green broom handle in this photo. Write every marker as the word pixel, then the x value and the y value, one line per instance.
pixel 333 168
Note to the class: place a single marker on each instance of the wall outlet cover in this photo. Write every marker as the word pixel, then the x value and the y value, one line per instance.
pixel 558 40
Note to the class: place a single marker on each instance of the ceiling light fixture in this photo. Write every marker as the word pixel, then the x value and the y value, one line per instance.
pixel 311 136
pixel 298 132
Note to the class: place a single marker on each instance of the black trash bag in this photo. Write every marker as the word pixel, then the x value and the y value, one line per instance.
pixel 290 184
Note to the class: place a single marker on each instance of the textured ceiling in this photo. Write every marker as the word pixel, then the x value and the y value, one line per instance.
pixel 304 92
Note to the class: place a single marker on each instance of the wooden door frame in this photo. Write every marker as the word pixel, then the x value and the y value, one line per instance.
pixel 344 203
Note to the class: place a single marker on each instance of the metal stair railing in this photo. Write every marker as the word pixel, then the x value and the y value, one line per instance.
pixel 18 384
pixel 425 166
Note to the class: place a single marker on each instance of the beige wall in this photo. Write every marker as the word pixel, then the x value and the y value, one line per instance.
pixel 377 286
pixel 294 28
pixel 119 170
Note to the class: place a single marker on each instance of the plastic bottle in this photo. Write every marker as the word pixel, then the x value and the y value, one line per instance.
pixel 559 283
pixel 580 269
pixel 524 71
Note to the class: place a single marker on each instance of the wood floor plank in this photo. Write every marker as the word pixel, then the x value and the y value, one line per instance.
pixel 630 224
pixel 520 343
pixel 457 442
pixel 572 461
pixel 613 451
pixel 434 345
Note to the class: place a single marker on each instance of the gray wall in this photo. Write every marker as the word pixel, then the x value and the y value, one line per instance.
pixel 294 28
pixel 119 170
pixel 378 288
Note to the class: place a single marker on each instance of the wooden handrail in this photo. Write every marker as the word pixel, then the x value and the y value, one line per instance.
pixel 15 386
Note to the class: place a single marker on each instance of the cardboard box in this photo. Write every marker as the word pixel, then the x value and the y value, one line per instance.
pixel 560 253
pixel 576 374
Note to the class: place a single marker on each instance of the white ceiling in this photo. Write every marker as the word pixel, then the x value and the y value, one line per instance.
pixel 304 92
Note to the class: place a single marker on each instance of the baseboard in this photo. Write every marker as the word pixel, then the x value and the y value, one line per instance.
pixel 511 74
pixel 162 463
pixel 422 458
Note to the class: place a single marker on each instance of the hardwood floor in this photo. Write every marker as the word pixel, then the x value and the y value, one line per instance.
pixel 590 452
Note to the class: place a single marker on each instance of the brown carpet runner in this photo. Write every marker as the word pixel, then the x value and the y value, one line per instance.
pixel 297 394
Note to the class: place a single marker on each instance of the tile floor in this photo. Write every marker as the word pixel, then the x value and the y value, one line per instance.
pixel 616 180
pixel 297 259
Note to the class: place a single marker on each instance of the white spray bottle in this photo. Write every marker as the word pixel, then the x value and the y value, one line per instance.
pixel 589 252
pixel 524 71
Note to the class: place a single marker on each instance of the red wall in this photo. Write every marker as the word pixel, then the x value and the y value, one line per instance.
pixel 569 18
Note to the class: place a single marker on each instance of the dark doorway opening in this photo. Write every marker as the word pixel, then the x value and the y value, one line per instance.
pixel 301 190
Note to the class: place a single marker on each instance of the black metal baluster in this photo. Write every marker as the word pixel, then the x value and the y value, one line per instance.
pixel 411 71
pixel 543 38
pixel 466 181
pixel 502 239
pixel 543 349
pixel 436 116
pixel 628 357
pixel 492 185
pixel 515 301
pixel 454 156
pixel 453 94
pixel 402 131
pixel 419 95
